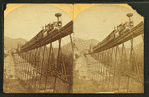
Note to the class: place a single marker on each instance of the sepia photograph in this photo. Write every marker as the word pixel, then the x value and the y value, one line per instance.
pixel 73 48
pixel 108 49
pixel 38 52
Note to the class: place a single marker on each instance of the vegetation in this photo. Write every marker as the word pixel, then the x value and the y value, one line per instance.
pixel 50 66
pixel 124 69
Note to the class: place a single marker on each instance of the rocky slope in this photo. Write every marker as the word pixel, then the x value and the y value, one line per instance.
pixel 12 43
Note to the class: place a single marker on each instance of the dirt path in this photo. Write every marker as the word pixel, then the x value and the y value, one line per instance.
pixel 10 83
pixel 81 67
pixel 9 67
pixel 81 81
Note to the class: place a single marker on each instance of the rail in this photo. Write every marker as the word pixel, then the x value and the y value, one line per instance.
pixel 45 69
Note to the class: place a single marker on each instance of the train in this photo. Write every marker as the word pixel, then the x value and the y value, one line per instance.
pixel 49 29
pixel 118 31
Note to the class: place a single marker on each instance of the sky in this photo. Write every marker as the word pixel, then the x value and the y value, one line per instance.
pixel 98 21
pixel 91 21
pixel 26 21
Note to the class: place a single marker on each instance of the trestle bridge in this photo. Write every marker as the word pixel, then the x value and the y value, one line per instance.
pixel 118 69
pixel 43 68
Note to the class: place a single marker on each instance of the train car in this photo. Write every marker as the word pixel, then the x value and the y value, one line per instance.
pixel 39 35
pixel 105 41
pixel 112 35
pixel 45 33
pixel 47 29
pixel 125 28
pixel 121 29
pixel 50 29
pixel 24 46
pixel 29 43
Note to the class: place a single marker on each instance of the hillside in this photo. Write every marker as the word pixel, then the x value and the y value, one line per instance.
pixel 85 44
pixel 138 52
pixel 139 49
pixel 12 43
pixel 67 49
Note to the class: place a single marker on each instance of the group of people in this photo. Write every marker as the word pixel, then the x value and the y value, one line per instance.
pixel 50 26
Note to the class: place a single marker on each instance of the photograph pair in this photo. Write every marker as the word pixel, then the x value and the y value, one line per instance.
pixel 73 48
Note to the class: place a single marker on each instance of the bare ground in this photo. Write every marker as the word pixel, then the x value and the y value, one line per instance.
pixel 10 83
pixel 92 85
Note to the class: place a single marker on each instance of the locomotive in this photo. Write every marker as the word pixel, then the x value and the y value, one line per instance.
pixel 120 30
pixel 49 29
